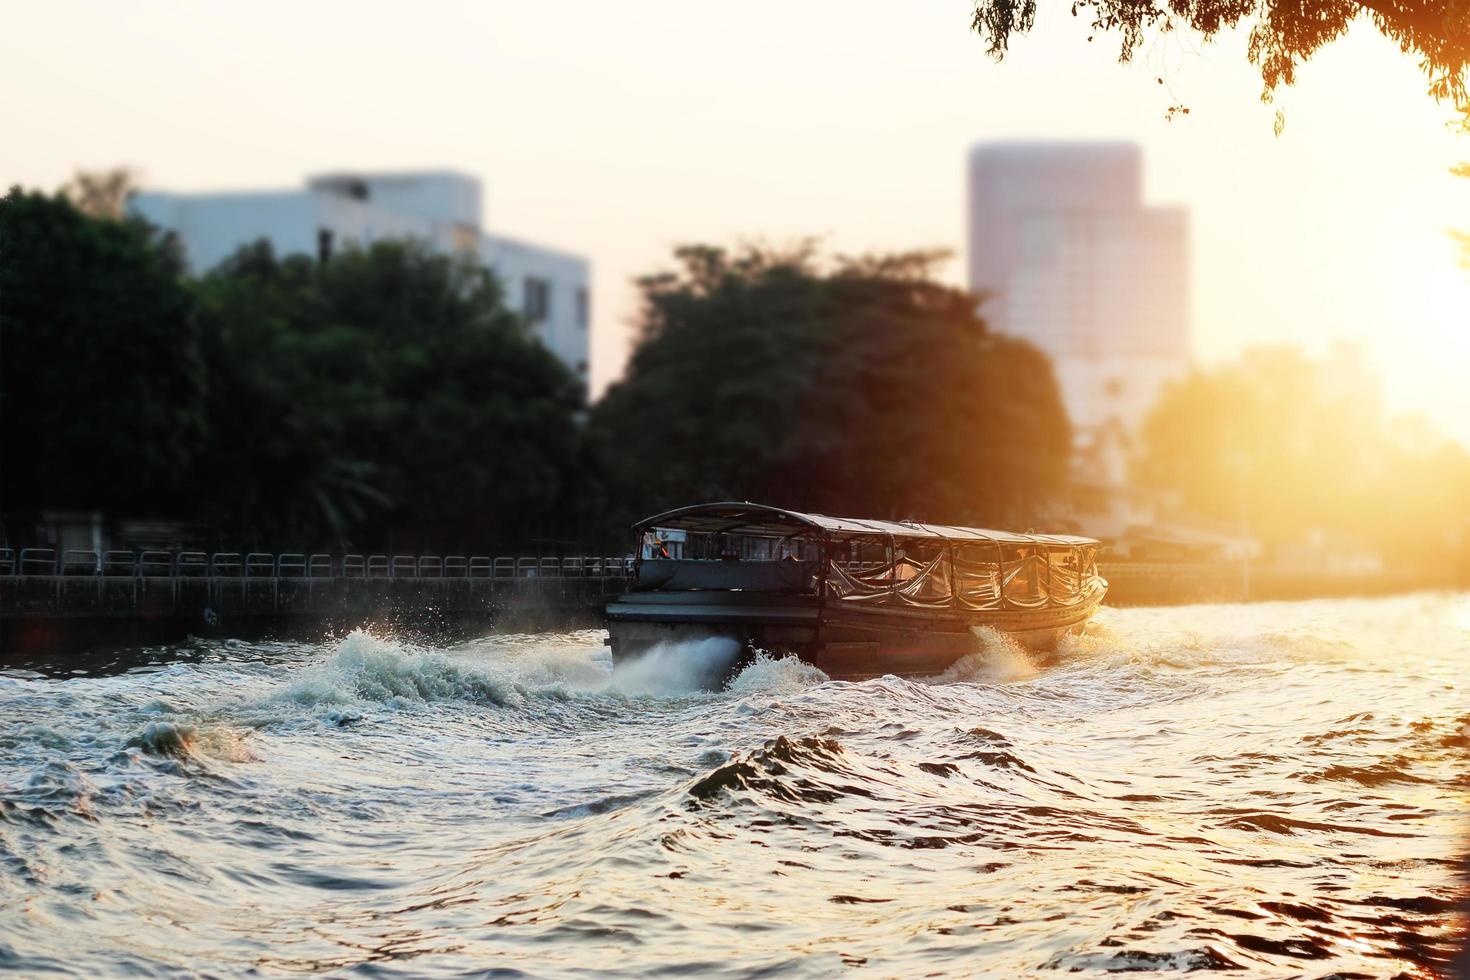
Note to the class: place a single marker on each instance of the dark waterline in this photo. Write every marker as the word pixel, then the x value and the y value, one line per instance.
pixel 1276 787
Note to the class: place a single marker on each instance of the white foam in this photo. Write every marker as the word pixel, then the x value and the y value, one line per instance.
pixel 999 659
pixel 677 668
pixel 779 675
pixel 166 738
pixel 183 741
pixel 577 661
pixel 369 668
pixel 552 670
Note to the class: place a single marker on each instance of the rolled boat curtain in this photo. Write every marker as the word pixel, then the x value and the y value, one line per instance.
pixel 981 574
pixel 858 586
pixel 977 576
pixel 929 583
pixel 1023 578
pixel 1066 576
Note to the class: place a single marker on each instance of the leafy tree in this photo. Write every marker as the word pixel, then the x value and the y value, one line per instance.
pixel 284 387
pixel 101 380
pixel 386 392
pixel 861 388
pixel 102 193
pixel 1294 445
pixel 1282 35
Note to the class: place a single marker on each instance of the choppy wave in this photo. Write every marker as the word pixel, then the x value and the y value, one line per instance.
pixel 364 667
pixel 367 668
pixel 180 740
pixel 775 675
pixel 1269 790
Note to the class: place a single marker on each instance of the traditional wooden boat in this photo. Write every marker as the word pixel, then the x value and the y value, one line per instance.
pixel 856 598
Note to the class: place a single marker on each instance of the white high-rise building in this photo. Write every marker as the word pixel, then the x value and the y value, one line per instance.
pixel 353 210
pixel 1072 260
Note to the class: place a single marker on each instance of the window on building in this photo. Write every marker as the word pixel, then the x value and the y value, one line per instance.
pixel 324 245
pixel 537 301
pixel 584 312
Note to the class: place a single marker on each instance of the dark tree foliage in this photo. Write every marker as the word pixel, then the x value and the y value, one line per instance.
pixel 385 395
pixel 101 381
pixel 1282 35
pixel 865 389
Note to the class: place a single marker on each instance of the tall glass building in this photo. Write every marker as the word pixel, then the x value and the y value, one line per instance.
pixel 1070 258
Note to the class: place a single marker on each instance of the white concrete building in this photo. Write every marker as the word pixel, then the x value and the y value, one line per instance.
pixel 353 210
pixel 1073 261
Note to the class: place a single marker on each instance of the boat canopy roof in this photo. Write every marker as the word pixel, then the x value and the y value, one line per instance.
pixel 736 517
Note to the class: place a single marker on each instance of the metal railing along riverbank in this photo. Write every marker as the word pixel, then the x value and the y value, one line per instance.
pixel 1131 582
pixel 52 600
pixel 234 564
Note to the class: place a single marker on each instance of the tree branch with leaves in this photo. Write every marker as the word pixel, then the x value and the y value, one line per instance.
pixel 1283 36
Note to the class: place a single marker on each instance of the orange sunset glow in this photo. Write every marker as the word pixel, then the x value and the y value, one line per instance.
pixel 972 489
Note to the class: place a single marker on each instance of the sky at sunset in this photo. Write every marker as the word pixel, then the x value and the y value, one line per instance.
pixel 619 130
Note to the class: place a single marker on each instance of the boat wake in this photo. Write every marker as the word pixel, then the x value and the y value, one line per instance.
pixel 677 668
pixel 1272 790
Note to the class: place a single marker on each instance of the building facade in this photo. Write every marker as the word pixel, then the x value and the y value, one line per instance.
pixel 551 288
pixel 1071 259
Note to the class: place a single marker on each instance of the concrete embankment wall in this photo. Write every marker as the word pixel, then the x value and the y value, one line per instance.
pixel 43 615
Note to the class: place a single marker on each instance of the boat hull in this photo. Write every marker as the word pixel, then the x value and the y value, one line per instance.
pixel 846 641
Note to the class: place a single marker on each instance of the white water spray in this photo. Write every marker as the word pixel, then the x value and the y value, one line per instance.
pixel 677 668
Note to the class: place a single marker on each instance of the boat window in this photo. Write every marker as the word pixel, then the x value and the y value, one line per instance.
pixel 790 576
pixel 687 561
pixel 977 575
pixel 662 543
pixel 1066 574
pixel 1089 564
pixel 731 545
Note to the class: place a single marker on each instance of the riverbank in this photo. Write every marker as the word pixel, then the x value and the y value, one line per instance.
pixel 47 616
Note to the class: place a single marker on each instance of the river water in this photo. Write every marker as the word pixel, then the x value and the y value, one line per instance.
pixel 1276 787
